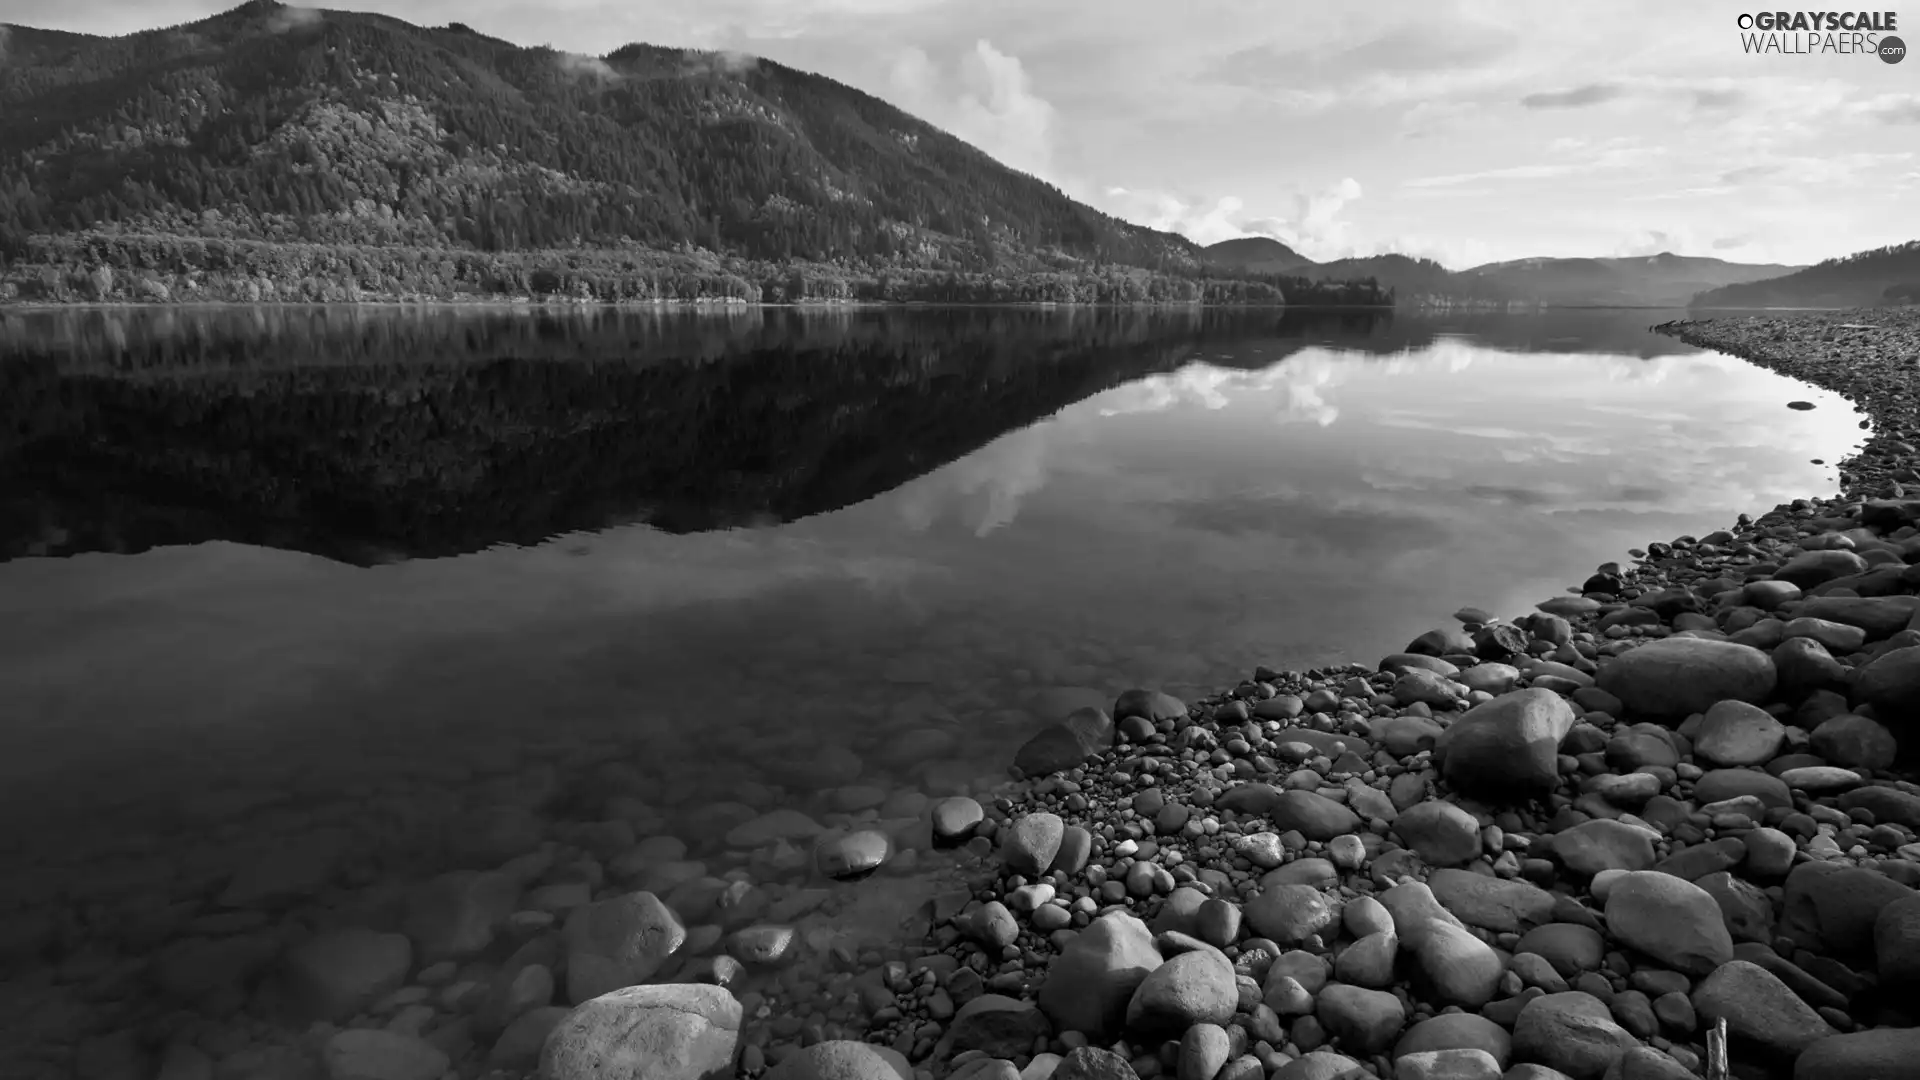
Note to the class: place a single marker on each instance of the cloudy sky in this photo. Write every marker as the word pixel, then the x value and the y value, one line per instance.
pixel 1465 130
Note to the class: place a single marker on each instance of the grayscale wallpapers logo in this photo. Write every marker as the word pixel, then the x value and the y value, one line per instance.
pixel 1823 33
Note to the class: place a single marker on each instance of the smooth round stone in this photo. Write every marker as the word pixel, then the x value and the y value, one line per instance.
pixel 851 855
pixel 1050 917
pixel 1029 845
pixel 1365 1021
pixel 1822 779
pixel 1769 852
pixel 1368 962
pixel 1347 852
pixel 955 818
pixel 1736 733
pixel 1363 915
pixel 766 944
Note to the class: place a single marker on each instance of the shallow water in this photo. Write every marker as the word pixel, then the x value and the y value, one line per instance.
pixel 333 599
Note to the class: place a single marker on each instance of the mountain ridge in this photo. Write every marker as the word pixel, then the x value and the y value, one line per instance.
pixel 365 133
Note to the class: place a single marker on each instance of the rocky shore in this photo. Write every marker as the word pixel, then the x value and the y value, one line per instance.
pixel 1560 844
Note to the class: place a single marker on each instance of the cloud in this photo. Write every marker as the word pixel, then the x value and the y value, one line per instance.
pixel 1316 228
pixel 587 66
pixel 993 106
pixel 1578 97
pixel 1723 243
pixel 1719 97
pixel 1891 109
pixel 289 18
pixel 721 61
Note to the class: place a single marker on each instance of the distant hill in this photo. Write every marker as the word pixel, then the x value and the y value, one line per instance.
pixel 1663 280
pixel 1880 276
pixel 349 140
pixel 1261 254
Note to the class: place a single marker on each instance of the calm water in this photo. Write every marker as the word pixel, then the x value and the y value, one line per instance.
pixel 335 599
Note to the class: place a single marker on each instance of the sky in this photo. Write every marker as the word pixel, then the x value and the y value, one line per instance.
pixel 1467 131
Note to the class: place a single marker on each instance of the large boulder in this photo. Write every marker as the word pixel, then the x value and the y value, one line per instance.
pixel 1670 919
pixel 670 1031
pixel 1834 906
pixel 1675 677
pixel 1085 733
pixel 1090 983
pixel 1876 1054
pixel 842 1059
pixel 1570 1031
pixel 1891 684
pixel 619 941
pixel 1506 748
pixel 1192 988
pixel 1759 1008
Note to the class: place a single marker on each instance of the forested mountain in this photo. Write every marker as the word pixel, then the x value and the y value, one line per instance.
pixel 379 158
pixel 1663 280
pixel 1263 254
pixel 1888 275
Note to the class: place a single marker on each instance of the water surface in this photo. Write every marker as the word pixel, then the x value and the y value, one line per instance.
pixel 400 591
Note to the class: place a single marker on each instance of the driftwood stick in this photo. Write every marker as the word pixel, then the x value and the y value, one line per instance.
pixel 1717 1050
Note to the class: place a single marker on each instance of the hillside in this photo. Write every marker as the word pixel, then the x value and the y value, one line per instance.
pixel 351 139
pixel 1881 276
pixel 1663 280
pixel 1262 254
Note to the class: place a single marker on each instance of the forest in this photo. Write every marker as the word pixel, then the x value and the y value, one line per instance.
pixel 336 156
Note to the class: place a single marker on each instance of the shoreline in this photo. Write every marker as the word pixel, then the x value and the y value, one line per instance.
pixel 1715 869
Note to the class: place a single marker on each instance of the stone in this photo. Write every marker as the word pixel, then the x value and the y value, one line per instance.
pixel 1439 832
pixel 1507 747
pixel 1315 816
pixel 845 856
pixel 1090 983
pixel 996 1025
pixel 1876 1054
pixel 1192 988
pixel 1889 806
pixel 1669 919
pixel 1320 1065
pixel 1604 844
pixel 954 820
pixel 518 1047
pixel 1674 677
pixel 1890 683
pixel 1570 947
pixel 1288 914
pixel 845 1059
pixel 1896 941
pixel 373 1054
pixel 1744 907
pixel 1368 962
pixel 1086 732
pixel 1460 968
pixel 1365 1021
pixel 1834 907
pixel 1491 903
pixel 1852 741
pixel 673 1031
pixel 1457 1031
pixel 1446 1065
pixel 1029 844
pixel 1759 1008
pixel 1646 1063
pixel 617 942
pixel 1736 733
pixel 1572 1032
pixel 1204 1050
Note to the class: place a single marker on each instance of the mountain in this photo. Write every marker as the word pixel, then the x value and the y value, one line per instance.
pixel 1663 280
pixel 1262 254
pixel 1883 275
pixel 369 434
pixel 378 159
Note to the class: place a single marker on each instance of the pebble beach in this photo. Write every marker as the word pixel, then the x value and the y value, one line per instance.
pixel 1560 843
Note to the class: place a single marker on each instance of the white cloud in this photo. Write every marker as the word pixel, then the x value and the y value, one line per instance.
pixel 1316 229
pixel 590 66
pixel 994 106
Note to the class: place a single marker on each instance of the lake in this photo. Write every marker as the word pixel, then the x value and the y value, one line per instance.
pixel 301 607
